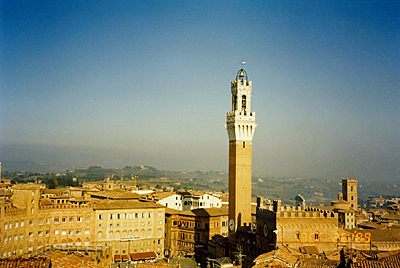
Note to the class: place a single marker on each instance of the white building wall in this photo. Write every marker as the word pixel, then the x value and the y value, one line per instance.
pixel 210 201
pixel 174 201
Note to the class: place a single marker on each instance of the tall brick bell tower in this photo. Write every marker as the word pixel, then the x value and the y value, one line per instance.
pixel 240 124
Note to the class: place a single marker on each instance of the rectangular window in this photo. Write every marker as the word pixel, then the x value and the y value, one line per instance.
pixel 64 220
pixel 71 219
pixel 100 216
pixel 56 232
pixel 40 221
pixel 297 236
pixel 87 219
pixel 87 231
pixel 31 223
pixel 316 236
pixel 56 220
pixel 78 232
pixel 63 232
pixel 79 219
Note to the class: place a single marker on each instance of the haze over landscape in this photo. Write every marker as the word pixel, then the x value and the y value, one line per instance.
pixel 116 83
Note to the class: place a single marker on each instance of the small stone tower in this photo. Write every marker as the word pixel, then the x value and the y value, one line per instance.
pixel 349 190
pixel 108 184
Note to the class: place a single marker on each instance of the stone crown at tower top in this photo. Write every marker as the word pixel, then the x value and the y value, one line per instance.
pixel 241 74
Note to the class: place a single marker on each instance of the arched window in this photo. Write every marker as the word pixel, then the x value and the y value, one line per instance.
pixel 130 233
pixel 159 232
pixel 243 102
pixel 99 236
pixel 297 236
pixel 149 233
pixel 124 234
pixel 110 235
pixel 136 233
pixel 316 236
pixel 117 235
pixel 142 233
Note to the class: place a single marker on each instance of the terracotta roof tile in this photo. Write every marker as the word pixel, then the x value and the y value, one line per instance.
pixel 33 262
pixel 71 260
pixel 143 256
pixel 125 204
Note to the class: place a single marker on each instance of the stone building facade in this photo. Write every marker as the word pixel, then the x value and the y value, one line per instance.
pixel 279 226
pixel 130 227
pixel 30 225
pixel 188 232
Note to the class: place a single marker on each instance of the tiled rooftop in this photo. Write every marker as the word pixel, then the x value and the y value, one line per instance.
pixel 71 260
pixel 125 204
pixel 387 260
pixel 204 212
pixel 37 262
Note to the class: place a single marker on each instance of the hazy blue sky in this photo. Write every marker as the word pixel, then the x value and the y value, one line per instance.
pixel 118 83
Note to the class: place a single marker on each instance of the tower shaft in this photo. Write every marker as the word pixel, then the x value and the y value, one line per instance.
pixel 240 125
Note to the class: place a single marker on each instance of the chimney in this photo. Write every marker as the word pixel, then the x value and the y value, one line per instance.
pixel 260 202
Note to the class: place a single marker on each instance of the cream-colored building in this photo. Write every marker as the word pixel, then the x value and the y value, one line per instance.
pixel 130 227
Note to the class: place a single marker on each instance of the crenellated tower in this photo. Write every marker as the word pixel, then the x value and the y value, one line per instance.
pixel 240 124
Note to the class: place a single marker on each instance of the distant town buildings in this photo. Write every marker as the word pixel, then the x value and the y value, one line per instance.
pixel 107 222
